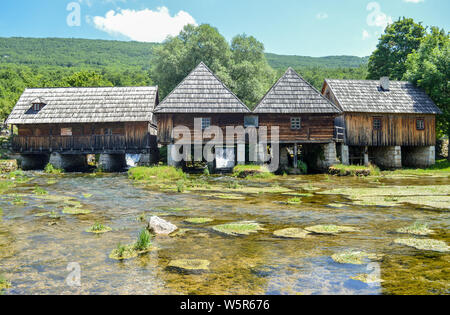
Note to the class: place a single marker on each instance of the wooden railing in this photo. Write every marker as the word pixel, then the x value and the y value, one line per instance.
pixel 93 143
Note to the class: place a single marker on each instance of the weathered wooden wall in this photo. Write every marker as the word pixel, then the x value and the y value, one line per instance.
pixel 396 130
pixel 315 128
pixel 130 135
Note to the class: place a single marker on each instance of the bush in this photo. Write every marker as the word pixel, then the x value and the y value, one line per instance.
pixel 303 167
pixel 50 169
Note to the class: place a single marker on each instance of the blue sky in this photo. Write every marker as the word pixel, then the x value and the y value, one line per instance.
pixel 294 27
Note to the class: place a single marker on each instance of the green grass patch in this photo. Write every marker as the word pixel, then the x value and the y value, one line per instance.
pixel 441 168
pixel 40 191
pixel 354 170
pixel 156 173
pixel 50 169
pixel 420 229
pixel 141 246
pixel 99 228
pixel 252 172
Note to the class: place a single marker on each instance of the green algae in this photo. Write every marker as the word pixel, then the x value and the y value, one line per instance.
pixel 199 220
pixel 294 201
pixel 40 191
pixel 238 228
pixel 367 278
pixel 291 233
pixel 87 195
pixel 436 196
pixel 189 265
pixel 225 196
pixel 424 244
pixel 4 284
pixel 337 205
pixel 330 229
pixel 356 257
pixel 419 229
pixel 75 211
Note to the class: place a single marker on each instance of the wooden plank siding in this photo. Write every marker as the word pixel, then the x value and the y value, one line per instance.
pixel 128 136
pixel 315 128
pixel 396 130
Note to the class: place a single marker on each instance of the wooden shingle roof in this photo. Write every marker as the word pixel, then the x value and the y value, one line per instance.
pixel 201 92
pixel 86 105
pixel 367 96
pixel 294 95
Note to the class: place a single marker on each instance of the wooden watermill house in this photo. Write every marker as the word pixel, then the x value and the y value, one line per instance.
pixel 63 125
pixel 305 119
pixel 389 123
pixel 202 99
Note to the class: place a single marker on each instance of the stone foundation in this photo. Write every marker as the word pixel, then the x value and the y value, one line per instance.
pixel 329 157
pixel 68 162
pixel 345 154
pixel 30 162
pixel 386 157
pixel 112 162
pixel 284 158
pixel 418 156
pixel 148 159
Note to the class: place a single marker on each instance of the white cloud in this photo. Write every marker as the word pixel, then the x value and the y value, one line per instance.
pixel 321 16
pixel 414 1
pixel 365 35
pixel 145 25
pixel 378 18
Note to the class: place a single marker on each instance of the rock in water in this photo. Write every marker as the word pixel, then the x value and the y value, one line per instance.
pixel 159 226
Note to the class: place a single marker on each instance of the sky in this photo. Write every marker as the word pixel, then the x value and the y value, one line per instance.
pixel 289 27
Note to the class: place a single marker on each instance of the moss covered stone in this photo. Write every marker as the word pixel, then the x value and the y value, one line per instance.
pixel 198 220
pixel 418 229
pixel 99 229
pixel 291 233
pixel 356 257
pixel 424 244
pixel 330 229
pixel 75 211
pixel 238 228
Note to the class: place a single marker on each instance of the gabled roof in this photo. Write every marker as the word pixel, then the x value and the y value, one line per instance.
pixel 368 96
pixel 201 92
pixel 86 105
pixel 293 95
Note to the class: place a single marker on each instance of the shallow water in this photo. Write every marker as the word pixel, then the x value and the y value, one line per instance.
pixel 35 251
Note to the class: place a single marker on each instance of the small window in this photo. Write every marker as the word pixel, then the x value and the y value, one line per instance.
pixel 376 124
pixel 296 123
pixel 420 124
pixel 37 107
pixel 206 123
pixel 66 131
pixel 251 121
pixel 108 132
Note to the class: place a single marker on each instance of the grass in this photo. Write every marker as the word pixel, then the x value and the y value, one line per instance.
pixel 99 228
pixel 144 241
pixel 355 170
pixel 156 173
pixel 442 167
pixel 420 229
pixel 50 169
pixel 252 172
pixel 40 191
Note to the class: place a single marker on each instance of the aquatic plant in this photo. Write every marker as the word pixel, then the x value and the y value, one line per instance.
pixel 291 233
pixel 87 195
pixel 98 228
pixel 75 211
pixel 4 284
pixel 18 201
pixel 50 169
pixel 294 201
pixel 5 185
pixel 198 220
pixel 39 191
pixel 123 252
pixel 367 278
pixel 302 166
pixel 417 228
pixel 330 229
pixel 189 265
pixel 354 170
pixel 238 228
pixel 424 244
pixel 180 186
pixel 142 217
pixel 144 241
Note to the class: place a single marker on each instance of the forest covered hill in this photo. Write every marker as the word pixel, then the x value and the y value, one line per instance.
pixel 66 52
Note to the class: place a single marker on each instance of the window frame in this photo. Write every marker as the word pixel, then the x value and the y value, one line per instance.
pixel 374 126
pixel 422 120
pixel 298 123
pixel 205 119
pixel 256 117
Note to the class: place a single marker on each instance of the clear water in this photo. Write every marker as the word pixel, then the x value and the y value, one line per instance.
pixel 35 253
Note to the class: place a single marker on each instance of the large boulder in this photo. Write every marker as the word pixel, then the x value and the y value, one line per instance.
pixel 159 226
